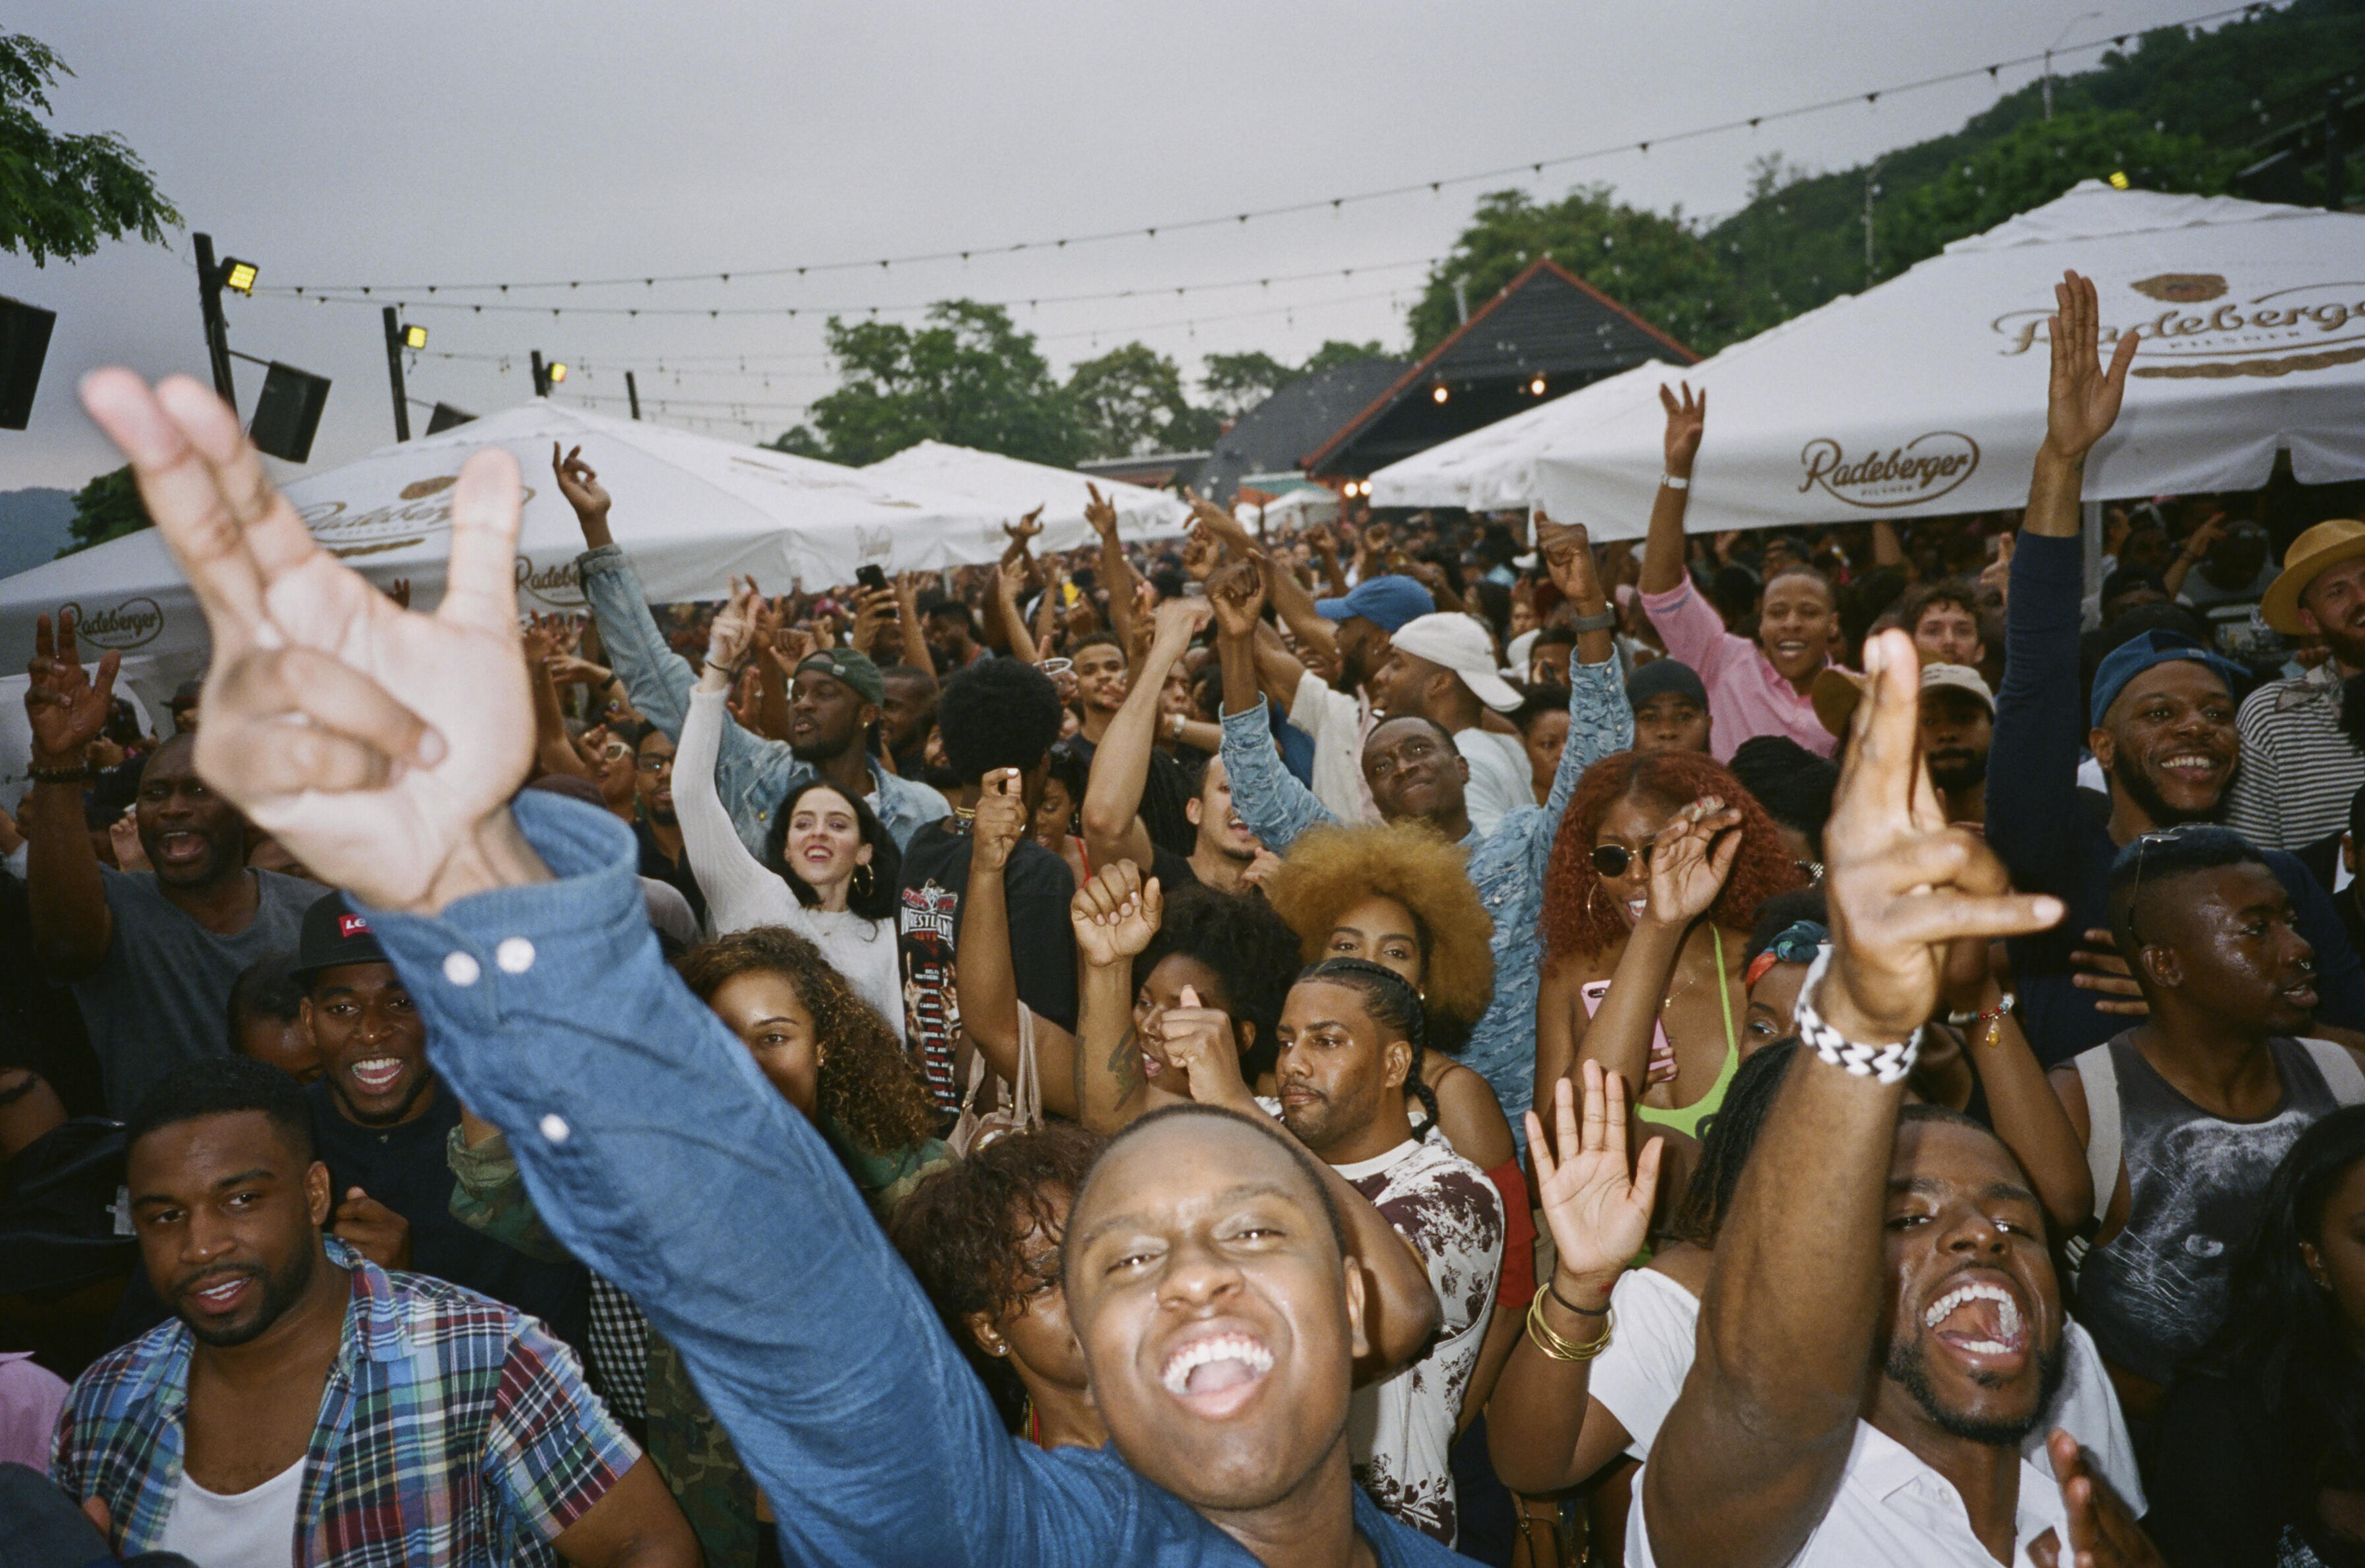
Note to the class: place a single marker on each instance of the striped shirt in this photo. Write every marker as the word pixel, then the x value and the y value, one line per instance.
pixel 452 1430
pixel 2298 770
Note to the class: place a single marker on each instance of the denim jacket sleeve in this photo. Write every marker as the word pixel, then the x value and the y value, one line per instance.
pixel 2032 765
pixel 656 1153
pixel 1600 724
pixel 1269 798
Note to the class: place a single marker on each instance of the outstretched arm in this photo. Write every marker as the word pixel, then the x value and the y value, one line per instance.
pixel 1663 549
pixel 986 978
pixel 1117 576
pixel 1276 806
pixel 1113 827
pixel 1749 1458
pixel 66 891
pixel 1115 914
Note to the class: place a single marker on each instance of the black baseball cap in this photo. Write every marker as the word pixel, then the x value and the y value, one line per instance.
pixel 334 934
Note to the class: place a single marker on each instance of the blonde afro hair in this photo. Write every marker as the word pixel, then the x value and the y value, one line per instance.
pixel 1330 869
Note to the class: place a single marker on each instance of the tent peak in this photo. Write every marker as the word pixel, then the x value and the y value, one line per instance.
pixel 2093 210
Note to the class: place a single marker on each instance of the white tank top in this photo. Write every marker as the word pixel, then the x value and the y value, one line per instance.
pixel 254 1528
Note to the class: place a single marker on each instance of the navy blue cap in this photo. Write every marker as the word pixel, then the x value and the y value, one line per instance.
pixel 2144 650
pixel 1390 603
pixel 334 934
pixel 1663 676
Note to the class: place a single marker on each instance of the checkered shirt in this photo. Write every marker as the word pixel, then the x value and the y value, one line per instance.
pixel 453 1431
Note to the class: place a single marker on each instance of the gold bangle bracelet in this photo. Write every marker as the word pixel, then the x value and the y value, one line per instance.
pixel 1558 1348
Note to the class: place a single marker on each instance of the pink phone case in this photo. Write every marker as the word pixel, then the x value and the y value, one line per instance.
pixel 1593 990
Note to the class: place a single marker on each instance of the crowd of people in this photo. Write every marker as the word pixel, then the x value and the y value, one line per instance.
pixel 1425 1035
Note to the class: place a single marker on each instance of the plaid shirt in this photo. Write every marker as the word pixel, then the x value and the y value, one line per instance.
pixel 453 1431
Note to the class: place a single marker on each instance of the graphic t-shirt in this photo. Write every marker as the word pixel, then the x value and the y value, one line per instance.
pixel 1038 886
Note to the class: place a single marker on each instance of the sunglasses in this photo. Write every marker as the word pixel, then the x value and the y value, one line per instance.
pixel 1611 859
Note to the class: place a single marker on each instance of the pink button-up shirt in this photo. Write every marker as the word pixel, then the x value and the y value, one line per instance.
pixel 1747 696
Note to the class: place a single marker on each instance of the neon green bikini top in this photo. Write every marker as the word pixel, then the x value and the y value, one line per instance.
pixel 1686 1119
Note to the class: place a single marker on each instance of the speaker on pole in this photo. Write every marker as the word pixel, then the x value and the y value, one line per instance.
pixel 445 417
pixel 288 413
pixel 24 344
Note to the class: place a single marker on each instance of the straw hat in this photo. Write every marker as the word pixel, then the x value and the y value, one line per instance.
pixel 2325 544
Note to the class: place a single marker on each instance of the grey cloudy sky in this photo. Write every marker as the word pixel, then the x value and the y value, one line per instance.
pixel 449 142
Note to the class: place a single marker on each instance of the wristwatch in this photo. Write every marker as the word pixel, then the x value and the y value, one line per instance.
pixel 1605 622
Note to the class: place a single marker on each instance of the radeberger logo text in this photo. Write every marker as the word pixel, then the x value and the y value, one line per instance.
pixel 1922 470
pixel 133 622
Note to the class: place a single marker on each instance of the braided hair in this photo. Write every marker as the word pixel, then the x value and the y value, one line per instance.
pixel 1395 1007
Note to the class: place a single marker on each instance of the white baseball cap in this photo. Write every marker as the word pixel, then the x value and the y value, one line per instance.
pixel 1460 644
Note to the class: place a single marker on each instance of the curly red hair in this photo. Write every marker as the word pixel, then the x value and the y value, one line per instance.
pixel 1578 920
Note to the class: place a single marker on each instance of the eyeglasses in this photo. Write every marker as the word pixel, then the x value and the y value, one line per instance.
pixel 1611 859
pixel 613 750
pixel 657 765
pixel 2144 842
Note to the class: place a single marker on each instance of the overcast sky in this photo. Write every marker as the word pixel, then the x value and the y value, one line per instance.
pixel 494 140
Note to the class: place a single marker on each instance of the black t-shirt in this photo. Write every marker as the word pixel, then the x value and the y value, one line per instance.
pixel 675 874
pixel 405 1167
pixel 1172 870
pixel 1038 886
pixel 2221 1493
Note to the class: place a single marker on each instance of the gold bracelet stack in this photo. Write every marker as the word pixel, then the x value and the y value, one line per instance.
pixel 1541 1333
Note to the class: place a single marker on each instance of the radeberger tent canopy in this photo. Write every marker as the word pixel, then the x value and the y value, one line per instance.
pixel 1925 394
pixel 1494 466
pixel 1011 488
pixel 689 510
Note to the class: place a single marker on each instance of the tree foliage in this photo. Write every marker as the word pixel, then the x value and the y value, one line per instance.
pixel 108 507
pixel 1235 382
pixel 60 196
pixel 1130 400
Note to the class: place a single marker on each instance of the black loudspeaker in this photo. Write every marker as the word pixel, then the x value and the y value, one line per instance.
pixel 288 412
pixel 24 343
pixel 445 416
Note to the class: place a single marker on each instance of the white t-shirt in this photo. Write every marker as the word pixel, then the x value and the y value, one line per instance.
pixel 1400 1431
pixel 1639 1376
pixel 1501 780
pixel 255 1529
pixel 1338 723
pixel 1892 1507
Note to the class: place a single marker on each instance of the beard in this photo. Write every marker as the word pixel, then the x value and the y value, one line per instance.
pixel 280 1292
pixel 2148 798
pixel 1909 1365
pixel 1952 771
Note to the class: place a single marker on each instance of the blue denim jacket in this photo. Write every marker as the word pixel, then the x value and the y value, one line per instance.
pixel 753 775
pixel 657 1154
pixel 1507 867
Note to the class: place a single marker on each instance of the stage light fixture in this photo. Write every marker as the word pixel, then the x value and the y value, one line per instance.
pixel 557 371
pixel 239 276
pixel 414 337
pixel 2119 179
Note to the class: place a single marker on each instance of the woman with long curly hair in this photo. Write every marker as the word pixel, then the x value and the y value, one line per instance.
pixel 1673 942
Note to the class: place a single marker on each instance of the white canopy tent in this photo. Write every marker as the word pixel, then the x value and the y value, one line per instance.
pixel 1307 506
pixel 1925 395
pixel 1494 466
pixel 1010 488
pixel 689 510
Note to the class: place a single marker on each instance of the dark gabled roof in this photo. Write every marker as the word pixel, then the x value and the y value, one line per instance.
pixel 1546 321
pixel 1269 438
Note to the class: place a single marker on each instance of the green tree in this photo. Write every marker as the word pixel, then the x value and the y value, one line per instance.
pixel 1652 263
pixel 1235 382
pixel 1130 399
pixel 1334 352
pixel 60 196
pixel 108 507
pixel 965 376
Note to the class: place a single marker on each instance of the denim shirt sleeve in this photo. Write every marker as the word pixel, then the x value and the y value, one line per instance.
pixel 2033 764
pixel 1269 798
pixel 1600 724
pixel 656 1153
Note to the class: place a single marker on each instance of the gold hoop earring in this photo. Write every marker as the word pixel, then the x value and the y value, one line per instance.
pixel 862 880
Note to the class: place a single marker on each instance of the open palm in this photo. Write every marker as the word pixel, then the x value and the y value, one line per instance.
pixel 66 709
pixel 1598 1213
pixel 1691 859
pixel 2082 399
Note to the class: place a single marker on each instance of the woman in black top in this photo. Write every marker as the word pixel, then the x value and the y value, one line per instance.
pixel 2260 1455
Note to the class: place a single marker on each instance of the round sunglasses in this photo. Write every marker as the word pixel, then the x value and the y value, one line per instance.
pixel 1611 859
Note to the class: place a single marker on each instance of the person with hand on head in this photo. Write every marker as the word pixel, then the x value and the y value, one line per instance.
pixel 2299 766
pixel 1870 1364
pixel 150 956
pixel 1757 688
pixel 302 1403
pixel 834 704
pixel 2160 722
pixel 1212 1285
pixel 1415 773
pixel 833 868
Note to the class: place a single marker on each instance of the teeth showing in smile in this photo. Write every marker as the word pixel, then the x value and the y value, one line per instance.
pixel 2191 762
pixel 2008 1328
pixel 378 1073
pixel 1233 1359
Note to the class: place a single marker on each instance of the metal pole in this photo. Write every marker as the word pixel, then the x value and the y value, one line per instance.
pixel 541 381
pixel 633 391
pixel 1871 189
pixel 394 372
pixel 210 287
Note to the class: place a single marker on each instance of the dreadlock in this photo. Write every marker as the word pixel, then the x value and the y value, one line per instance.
pixel 1395 1007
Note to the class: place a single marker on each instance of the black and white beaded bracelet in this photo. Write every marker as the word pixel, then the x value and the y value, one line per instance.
pixel 1887 1063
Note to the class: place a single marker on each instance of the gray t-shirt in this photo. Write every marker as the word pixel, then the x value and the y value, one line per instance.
pixel 160 997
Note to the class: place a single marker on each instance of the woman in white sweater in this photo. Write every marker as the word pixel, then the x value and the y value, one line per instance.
pixel 834 865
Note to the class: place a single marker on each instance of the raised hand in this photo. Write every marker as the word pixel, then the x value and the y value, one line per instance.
pixel 1199 1041
pixel 1179 620
pixel 1226 529
pixel 733 632
pixel 1691 858
pixel 1202 554
pixel 2081 402
pixel 579 483
pixel 1238 594
pixel 1025 528
pixel 1100 512
pixel 1997 573
pixel 1115 914
pixel 1901 884
pixel 2099 968
pixel 874 612
pixel 2102 1531
pixel 1001 822
pixel 1687 417
pixel 1598 1214
pixel 66 709
pixel 1568 551
pixel 380 745
pixel 123 834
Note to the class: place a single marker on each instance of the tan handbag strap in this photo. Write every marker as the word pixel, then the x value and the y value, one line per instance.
pixel 1029 1088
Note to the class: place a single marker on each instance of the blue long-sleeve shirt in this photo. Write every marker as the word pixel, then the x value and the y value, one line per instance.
pixel 752 774
pixel 1507 867
pixel 2052 844
pixel 656 1153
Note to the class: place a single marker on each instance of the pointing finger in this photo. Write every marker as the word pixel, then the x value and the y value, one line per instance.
pixel 275 536
pixel 481 580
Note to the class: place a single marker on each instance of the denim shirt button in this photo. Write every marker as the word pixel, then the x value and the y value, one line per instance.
pixel 555 1128
pixel 461 969
pixel 515 955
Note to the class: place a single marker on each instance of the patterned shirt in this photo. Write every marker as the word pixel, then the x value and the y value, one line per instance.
pixel 453 1431
pixel 2298 767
